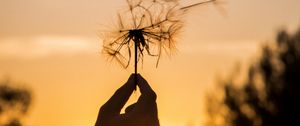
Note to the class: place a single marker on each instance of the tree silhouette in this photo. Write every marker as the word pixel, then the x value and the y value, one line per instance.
pixel 14 103
pixel 271 93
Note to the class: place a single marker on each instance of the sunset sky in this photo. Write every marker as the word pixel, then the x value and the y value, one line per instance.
pixel 53 47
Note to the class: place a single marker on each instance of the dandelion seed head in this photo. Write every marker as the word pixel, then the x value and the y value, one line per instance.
pixel 151 25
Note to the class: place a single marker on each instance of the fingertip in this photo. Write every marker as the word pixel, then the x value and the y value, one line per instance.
pixel 131 77
pixel 134 74
pixel 141 78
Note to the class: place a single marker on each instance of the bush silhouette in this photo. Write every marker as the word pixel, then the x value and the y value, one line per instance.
pixel 14 103
pixel 271 93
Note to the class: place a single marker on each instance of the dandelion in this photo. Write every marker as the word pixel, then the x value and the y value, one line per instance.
pixel 145 27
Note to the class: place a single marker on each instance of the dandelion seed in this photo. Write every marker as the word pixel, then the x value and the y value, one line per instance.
pixel 146 27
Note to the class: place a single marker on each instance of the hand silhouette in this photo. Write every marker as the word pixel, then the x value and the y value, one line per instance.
pixel 141 113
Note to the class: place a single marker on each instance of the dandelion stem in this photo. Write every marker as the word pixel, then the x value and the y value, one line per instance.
pixel 135 60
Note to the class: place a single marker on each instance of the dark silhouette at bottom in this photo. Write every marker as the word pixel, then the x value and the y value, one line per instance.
pixel 141 113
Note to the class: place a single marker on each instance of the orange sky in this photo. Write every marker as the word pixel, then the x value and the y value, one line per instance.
pixel 52 46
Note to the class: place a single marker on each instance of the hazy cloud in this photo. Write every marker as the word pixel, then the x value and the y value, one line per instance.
pixel 46 45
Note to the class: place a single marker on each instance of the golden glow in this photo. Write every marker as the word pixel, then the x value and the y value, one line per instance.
pixel 53 46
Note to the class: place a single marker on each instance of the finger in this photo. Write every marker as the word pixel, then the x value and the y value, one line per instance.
pixel 141 79
pixel 131 78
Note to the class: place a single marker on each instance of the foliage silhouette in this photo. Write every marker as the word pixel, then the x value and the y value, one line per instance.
pixel 14 103
pixel 269 96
